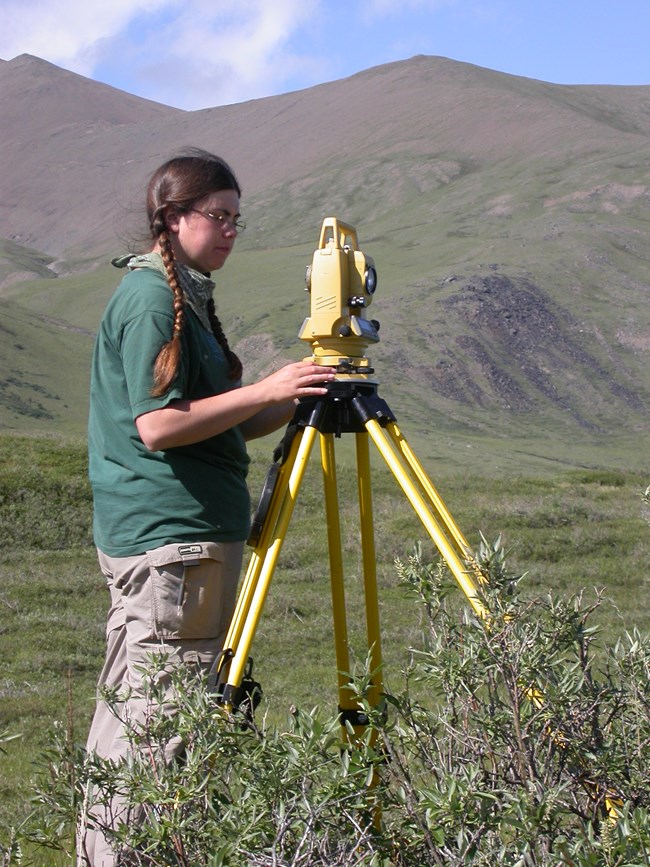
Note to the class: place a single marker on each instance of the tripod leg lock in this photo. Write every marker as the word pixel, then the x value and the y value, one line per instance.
pixel 358 717
pixel 243 698
pixel 353 716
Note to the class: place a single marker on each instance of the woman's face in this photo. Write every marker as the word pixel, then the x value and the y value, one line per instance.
pixel 204 236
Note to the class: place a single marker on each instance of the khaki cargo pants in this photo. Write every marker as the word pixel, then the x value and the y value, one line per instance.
pixel 176 600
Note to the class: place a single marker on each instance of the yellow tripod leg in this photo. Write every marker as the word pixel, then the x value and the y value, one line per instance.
pixel 394 456
pixel 249 584
pixel 348 705
pixel 369 567
pixel 332 516
pixel 262 564
pixel 462 546
pixel 347 702
pixel 369 556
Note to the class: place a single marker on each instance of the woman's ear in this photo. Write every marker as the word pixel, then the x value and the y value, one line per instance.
pixel 172 220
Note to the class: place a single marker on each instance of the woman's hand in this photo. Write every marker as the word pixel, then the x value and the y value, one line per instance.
pixel 286 386
pixel 299 379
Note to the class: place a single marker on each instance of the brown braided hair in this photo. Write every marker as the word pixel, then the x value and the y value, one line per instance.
pixel 179 184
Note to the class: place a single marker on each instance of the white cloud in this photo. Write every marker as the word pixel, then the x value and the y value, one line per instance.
pixel 215 57
pixel 190 53
pixel 66 32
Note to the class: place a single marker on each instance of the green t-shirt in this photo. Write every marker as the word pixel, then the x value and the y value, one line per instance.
pixel 145 499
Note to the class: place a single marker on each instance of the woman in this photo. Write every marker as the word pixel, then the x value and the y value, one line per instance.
pixel 168 422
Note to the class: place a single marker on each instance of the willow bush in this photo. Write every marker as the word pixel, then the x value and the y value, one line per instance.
pixel 520 740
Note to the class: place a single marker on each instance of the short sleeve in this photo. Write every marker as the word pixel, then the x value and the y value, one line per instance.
pixel 142 339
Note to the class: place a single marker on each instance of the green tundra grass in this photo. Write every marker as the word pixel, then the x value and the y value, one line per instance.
pixel 582 529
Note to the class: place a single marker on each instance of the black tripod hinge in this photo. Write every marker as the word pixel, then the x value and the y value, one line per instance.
pixel 347 408
pixel 372 408
pixel 332 414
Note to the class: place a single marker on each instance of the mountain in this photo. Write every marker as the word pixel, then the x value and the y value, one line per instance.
pixel 507 218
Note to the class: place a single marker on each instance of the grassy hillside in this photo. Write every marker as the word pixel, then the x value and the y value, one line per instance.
pixel 20 263
pixel 492 362
pixel 44 379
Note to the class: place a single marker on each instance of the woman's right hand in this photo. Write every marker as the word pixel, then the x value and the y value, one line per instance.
pixel 296 380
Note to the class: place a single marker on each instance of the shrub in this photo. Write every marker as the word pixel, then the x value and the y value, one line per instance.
pixel 528 743
pixel 520 740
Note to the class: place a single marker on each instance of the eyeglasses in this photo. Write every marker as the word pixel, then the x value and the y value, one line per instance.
pixel 222 219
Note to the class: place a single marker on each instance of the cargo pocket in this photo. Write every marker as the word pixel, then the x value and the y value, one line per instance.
pixel 190 595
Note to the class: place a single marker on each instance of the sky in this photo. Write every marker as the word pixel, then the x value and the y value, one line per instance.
pixel 195 54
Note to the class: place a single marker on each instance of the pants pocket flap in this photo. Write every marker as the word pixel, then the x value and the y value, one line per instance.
pixel 188 553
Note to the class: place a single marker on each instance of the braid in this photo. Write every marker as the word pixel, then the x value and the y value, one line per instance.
pixel 177 185
pixel 168 360
pixel 236 367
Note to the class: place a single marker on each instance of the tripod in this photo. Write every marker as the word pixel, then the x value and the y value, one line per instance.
pixel 351 406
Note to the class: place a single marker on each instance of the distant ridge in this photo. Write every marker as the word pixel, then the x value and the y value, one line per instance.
pixel 57 97
pixel 67 140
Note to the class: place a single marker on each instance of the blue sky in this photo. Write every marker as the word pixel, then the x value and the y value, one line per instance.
pixel 202 53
